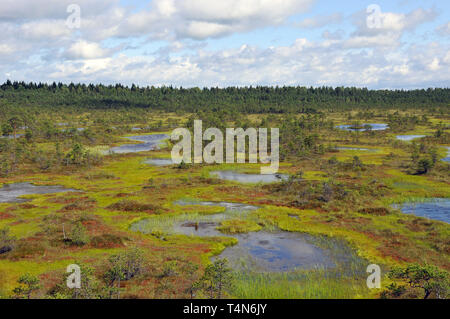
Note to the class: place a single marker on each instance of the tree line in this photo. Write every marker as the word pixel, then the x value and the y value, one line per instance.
pixel 259 99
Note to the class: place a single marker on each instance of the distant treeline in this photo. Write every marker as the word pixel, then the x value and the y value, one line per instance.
pixel 260 99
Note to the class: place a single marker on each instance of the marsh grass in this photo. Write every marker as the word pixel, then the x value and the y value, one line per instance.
pixel 164 223
pixel 346 280
pixel 388 240
pixel 300 284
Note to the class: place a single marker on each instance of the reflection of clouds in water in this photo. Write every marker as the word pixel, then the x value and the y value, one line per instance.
pixel 437 209
pixel 148 143
pixel 249 178
pixel 262 251
pixel 447 159
pixel 408 137
pixel 277 252
pixel 10 193
pixel 159 162
pixel 11 136
pixel 364 127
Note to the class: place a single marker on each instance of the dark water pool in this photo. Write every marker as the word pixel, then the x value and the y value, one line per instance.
pixel 277 252
pixel 438 209
pixel 11 136
pixel 10 193
pixel 249 178
pixel 263 251
pixel 228 205
pixel 373 127
pixel 408 138
pixel 148 143
pixel 159 161
pixel 447 158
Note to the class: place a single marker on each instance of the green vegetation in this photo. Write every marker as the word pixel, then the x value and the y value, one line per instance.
pixel 27 285
pixel 427 278
pixel 243 100
pixel 217 280
pixel 118 226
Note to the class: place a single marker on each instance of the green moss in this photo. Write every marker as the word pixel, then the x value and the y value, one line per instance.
pixel 237 226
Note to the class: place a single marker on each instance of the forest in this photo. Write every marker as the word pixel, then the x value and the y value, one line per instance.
pixel 249 100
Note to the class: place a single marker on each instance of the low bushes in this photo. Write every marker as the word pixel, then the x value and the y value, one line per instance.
pixel 127 205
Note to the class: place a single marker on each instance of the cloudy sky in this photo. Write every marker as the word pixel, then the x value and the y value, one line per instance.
pixel 375 44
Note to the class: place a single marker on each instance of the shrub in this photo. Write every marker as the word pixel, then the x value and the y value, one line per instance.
pixel 126 205
pixel 78 235
pixel 27 248
pixel 7 242
pixel 430 279
pixel 28 284
pixel 217 279
pixel 81 204
pixel 123 266
pixel 106 240
pixel 424 165
pixel 379 211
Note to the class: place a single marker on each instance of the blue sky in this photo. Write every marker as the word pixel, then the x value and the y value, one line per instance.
pixel 229 42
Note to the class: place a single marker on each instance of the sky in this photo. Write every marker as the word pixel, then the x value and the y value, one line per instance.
pixel 203 43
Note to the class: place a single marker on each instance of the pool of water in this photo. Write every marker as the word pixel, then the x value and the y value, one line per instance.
pixel 228 205
pixel 373 127
pixel 249 178
pixel 232 210
pixel 10 193
pixel 159 161
pixel 148 143
pixel 263 251
pixel 408 138
pixel 276 252
pixel 11 136
pixel 203 224
pixel 438 209
pixel 447 159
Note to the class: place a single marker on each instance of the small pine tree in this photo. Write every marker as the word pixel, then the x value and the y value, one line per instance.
pixel 429 278
pixel 28 285
pixel 79 236
pixel 217 279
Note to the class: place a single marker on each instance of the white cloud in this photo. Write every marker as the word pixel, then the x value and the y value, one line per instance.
pixel 390 39
pixel 85 50
pixel 201 19
pixel 166 8
pixel 390 29
pixel 36 45
pixel 6 49
pixel 50 9
pixel 434 65
pixel 320 21
pixel 203 29
pixel 444 29
pixel 393 22
pixel 232 11
pixel 44 29
pixel 303 62
pixel 333 35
